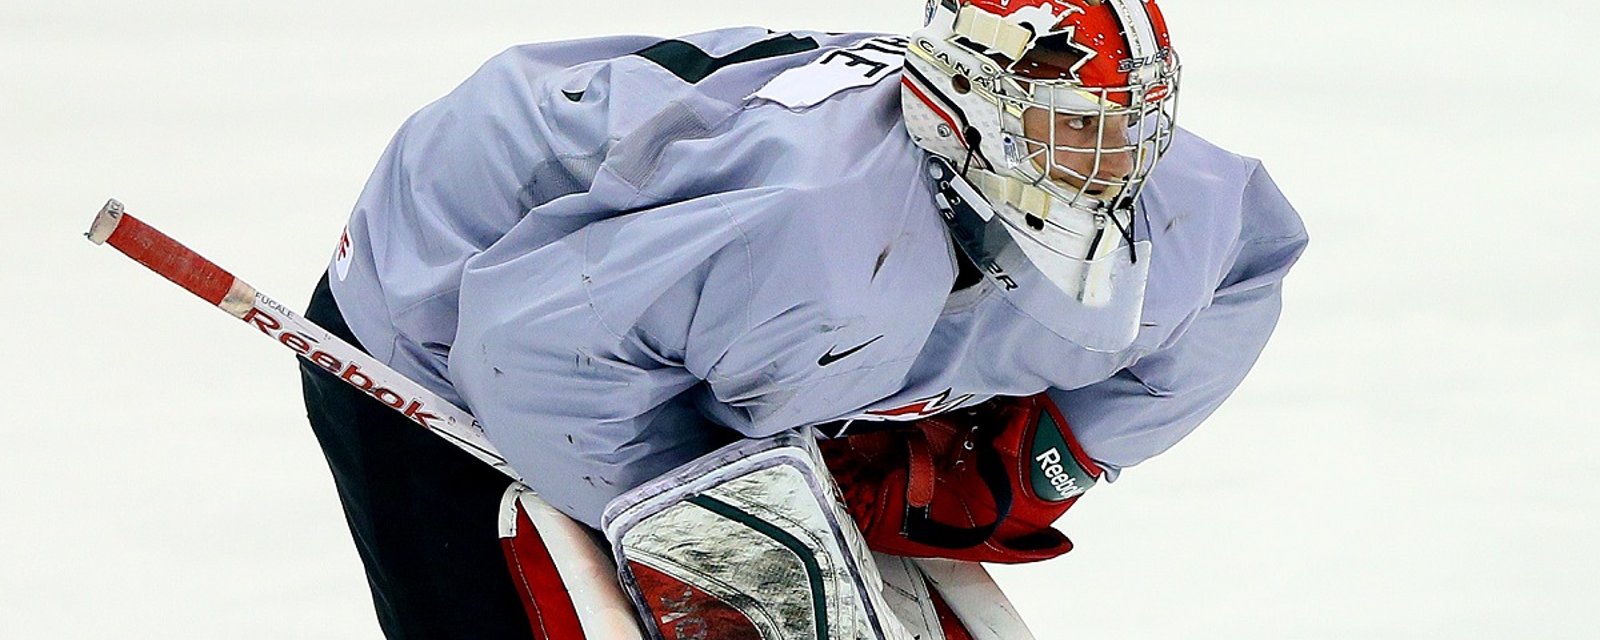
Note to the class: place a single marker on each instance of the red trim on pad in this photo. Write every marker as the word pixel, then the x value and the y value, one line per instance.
pixel 544 595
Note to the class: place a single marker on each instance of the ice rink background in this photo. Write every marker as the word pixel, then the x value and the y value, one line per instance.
pixel 1413 457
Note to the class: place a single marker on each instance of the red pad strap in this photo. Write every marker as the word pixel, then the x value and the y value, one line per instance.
pixel 544 595
pixel 920 477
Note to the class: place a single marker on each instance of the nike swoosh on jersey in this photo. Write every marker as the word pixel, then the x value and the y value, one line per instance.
pixel 830 357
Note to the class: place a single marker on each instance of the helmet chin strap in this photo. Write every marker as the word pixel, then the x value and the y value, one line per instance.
pixel 1043 272
pixel 973 139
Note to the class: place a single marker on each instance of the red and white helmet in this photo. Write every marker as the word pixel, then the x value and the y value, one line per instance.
pixel 1055 112
pixel 978 66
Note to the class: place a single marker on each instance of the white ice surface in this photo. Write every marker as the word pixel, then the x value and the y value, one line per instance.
pixel 1413 457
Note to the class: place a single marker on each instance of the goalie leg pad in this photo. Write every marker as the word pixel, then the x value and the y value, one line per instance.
pixel 949 600
pixel 567 582
pixel 749 542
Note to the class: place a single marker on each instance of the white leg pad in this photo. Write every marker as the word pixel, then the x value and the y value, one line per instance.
pixel 975 599
pixel 907 593
pixel 567 581
pixel 975 603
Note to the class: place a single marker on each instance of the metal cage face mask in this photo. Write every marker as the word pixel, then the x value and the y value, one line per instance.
pixel 1092 148
pixel 1085 90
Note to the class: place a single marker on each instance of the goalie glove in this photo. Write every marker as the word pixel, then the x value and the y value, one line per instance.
pixel 982 484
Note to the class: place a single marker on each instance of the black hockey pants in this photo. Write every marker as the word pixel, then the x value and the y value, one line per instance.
pixel 423 513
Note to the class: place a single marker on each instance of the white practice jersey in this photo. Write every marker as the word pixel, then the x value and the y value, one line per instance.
pixel 623 252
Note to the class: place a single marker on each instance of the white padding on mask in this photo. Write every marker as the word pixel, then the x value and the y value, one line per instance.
pixel 1094 299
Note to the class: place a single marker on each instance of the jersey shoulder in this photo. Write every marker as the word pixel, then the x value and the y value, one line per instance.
pixel 1232 194
pixel 579 100
pixel 812 165
pixel 1197 175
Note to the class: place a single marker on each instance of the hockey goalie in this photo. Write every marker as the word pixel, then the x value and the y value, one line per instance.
pixel 786 332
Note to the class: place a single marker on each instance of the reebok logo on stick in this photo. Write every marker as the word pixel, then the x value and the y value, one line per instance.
pixel 349 372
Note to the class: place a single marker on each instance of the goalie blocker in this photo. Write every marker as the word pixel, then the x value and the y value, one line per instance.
pixel 751 542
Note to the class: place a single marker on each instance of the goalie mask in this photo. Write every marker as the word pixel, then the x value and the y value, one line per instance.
pixel 1046 118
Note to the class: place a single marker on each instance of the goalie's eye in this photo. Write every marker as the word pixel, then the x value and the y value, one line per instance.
pixel 1078 123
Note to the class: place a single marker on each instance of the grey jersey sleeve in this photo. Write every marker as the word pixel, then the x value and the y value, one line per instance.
pixel 459 174
pixel 584 402
pixel 1149 406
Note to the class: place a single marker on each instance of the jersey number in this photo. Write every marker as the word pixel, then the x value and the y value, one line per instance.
pixel 692 65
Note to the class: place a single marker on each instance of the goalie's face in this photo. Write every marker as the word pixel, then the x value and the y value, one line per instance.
pixel 1082 154
pixel 1082 142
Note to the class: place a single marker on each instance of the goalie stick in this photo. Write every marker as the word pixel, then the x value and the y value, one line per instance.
pixel 531 528
pixel 180 264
